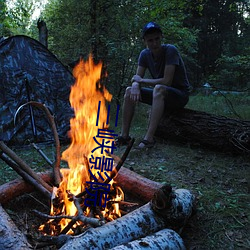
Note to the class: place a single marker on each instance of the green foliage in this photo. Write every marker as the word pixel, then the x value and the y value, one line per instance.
pixel 212 36
pixel 20 16
pixel 233 72
pixel 4 19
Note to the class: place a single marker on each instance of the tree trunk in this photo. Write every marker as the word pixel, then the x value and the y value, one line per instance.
pixel 43 32
pixel 10 237
pixel 212 131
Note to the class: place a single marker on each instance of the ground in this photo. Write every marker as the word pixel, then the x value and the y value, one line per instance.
pixel 219 180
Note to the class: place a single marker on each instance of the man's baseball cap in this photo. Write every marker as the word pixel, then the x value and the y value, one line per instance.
pixel 149 27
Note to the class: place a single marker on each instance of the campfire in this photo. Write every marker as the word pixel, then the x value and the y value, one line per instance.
pixel 88 208
pixel 87 186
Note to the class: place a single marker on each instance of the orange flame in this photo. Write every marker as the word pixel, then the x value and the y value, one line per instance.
pixel 85 96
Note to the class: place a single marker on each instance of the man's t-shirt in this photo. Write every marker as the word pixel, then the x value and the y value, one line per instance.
pixel 171 56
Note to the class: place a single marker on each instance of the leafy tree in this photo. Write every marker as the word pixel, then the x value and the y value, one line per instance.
pixel 223 32
pixel 4 20
pixel 111 30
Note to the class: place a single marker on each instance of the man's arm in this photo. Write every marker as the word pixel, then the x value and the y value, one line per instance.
pixel 166 80
pixel 135 93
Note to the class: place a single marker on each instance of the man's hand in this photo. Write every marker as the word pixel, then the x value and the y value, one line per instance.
pixel 136 78
pixel 135 93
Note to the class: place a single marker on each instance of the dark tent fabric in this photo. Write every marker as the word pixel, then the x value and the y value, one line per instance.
pixel 29 71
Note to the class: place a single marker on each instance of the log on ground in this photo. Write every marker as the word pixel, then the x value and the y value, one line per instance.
pixel 140 187
pixel 18 187
pixel 212 131
pixel 148 219
pixel 10 237
pixel 131 182
pixel 163 239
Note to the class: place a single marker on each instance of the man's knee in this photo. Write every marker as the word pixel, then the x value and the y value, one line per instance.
pixel 159 91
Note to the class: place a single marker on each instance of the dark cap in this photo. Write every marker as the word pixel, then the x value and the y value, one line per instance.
pixel 150 27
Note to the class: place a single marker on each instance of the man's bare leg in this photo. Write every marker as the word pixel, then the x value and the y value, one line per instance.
pixel 156 113
pixel 127 114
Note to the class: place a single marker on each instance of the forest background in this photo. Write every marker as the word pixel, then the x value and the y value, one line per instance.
pixel 212 36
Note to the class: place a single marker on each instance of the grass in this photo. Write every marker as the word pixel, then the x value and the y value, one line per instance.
pixel 219 180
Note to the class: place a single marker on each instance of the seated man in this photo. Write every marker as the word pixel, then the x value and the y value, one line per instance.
pixel 168 89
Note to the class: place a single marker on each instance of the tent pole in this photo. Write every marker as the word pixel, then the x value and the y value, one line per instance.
pixel 33 125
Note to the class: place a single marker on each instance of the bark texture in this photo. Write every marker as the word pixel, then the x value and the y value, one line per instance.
pixel 131 182
pixel 10 237
pixel 140 187
pixel 139 223
pixel 212 131
pixel 18 187
pixel 167 209
pixel 162 240
pixel 43 32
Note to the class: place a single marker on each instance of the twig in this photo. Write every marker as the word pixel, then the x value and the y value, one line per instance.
pixel 122 160
pixel 24 166
pixel 117 168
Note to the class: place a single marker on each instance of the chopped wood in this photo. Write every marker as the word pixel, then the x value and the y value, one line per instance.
pixel 138 223
pixel 163 239
pixel 208 130
pixel 10 237
pixel 175 206
pixel 148 219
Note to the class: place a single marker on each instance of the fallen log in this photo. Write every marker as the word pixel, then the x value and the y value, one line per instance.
pixel 150 218
pixel 10 237
pixel 131 182
pixel 212 131
pixel 163 239
pixel 18 187
pixel 140 187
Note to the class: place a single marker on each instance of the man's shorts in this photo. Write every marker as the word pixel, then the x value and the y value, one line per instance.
pixel 175 99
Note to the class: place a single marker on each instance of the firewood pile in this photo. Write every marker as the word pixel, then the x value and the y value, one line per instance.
pixel 155 221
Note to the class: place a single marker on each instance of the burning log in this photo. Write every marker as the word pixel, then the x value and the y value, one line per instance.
pixel 10 237
pixel 216 132
pixel 165 210
pixel 163 239
pixel 131 182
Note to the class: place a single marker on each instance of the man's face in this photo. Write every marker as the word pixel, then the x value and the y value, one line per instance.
pixel 153 40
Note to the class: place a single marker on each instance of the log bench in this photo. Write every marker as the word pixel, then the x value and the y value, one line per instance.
pixel 211 131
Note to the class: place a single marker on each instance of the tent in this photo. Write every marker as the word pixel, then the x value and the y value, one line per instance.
pixel 30 72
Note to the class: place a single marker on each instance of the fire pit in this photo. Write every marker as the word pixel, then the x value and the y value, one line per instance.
pixel 86 198
pixel 159 210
